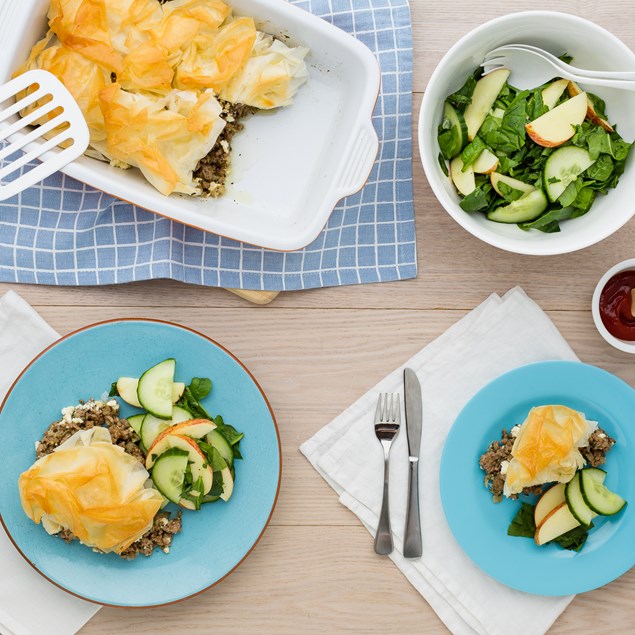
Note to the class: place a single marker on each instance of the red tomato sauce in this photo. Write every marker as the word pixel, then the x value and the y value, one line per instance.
pixel 616 306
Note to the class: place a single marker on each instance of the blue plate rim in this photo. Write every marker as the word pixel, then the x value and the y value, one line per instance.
pixel 576 588
pixel 253 379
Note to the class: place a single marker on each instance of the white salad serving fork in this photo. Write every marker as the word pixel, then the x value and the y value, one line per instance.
pixel 531 67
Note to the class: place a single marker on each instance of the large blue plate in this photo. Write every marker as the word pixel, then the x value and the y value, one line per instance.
pixel 214 540
pixel 480 526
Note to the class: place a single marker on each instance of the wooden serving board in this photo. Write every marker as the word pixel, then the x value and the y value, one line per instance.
pixel 257 297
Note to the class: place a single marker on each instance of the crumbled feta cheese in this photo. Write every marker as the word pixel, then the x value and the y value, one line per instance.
pixel 68 411
pixel 164 521
pixel 76 420
pixel 229 119
pixel 224 145
pixel 515 430
pixel 37 445
pixel 504 467
pixel 601 435
pixel 113 404
pixel 166 549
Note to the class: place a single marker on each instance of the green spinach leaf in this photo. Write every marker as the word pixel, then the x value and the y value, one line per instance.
pixel 463 97
pixel 200 387
pixel 523 524
pixel 471 152
pixel 443 164
pixel 574 540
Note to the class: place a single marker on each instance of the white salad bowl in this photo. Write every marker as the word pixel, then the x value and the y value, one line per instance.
pixel 290 166
pixel 592 47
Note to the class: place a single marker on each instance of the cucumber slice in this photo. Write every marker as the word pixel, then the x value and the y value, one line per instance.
pixel 179 415
pixel 453 120
pixel 563 167
pixel 598 497
pixel 597 473
pixel 217 440
pixel 152 427
pixel 155 389
pixel 168 473
pixel 127 389
pixel 522 210
pixel 136 422
pixel 573 494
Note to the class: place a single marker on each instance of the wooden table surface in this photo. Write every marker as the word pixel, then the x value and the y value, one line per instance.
pixel 316 352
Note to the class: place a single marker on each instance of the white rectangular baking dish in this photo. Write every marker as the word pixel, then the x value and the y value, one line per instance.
pixel 290 167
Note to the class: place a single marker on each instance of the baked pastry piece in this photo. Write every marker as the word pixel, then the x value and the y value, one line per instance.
pixel 147 74
pixel 165 138
pixel 92 488
pixel 547 447
pixel 271 77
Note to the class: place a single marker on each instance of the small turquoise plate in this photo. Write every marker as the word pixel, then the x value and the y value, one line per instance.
pixel 215 540
pixel 480 526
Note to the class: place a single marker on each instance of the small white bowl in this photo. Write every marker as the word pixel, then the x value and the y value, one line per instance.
pixel 592 47
pixel 622 345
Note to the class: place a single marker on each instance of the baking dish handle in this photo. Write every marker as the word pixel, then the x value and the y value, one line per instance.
pixel 359 161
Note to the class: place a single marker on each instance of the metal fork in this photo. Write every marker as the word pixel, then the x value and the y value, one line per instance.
pixel 387 422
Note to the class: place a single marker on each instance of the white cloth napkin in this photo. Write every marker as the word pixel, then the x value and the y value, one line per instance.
pixel 499 335
pixel 29 604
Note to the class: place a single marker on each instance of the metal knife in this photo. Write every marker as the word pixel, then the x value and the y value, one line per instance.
pixel 414 416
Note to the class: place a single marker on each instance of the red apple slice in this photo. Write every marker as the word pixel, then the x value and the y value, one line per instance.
pixel 195 428
pixel 591 114
pixel 463 181
pixel 552 93
pixel 515 184
pixel 552 498
pixel 558 125
pixel 559 521
pixel 485 93
pixel 486 163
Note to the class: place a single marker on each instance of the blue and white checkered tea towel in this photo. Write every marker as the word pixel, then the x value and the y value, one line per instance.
pixel 66 233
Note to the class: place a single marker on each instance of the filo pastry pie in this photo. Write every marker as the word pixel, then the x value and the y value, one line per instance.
pixel 92 488
pixel 156 81
pixel 547 448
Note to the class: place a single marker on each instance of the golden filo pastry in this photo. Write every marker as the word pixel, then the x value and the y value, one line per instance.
pixel 212 61
pixel 148 77
pixel 94 489
pixel 82 25
pixel 184 20
pixel 165 138
pixel 271 76
pixel 83 78
pixel 547 447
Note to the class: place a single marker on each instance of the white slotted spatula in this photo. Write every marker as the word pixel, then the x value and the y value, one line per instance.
pixel 17 133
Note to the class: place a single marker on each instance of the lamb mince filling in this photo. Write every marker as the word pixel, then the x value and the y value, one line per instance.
pixel 499 453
